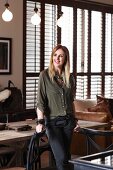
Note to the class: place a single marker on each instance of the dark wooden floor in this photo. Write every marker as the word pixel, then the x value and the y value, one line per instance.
pixel 45 162
pixel 45 159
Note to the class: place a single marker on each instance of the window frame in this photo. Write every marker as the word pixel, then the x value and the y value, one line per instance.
pixel 104 8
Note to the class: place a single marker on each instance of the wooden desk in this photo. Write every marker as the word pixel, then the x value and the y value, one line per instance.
pixel 90 124
pixel 8 136
pixel 19 139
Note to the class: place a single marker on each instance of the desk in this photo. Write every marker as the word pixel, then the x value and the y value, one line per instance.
pixel 90 124
pixel 7 136
pixel 18 139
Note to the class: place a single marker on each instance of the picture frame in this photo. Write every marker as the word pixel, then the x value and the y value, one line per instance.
pixel 5 55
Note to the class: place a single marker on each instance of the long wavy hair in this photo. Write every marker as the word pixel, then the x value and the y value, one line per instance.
pixel 66 66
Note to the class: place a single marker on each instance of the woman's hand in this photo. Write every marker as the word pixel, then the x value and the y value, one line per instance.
pixel 77 127
pixel 40 128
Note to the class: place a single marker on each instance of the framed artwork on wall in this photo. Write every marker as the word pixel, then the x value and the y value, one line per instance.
pixel 5 55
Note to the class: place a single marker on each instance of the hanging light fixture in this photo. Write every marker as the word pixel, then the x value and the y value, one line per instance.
pixel 7 14
pixel 35 19
pixel 60 19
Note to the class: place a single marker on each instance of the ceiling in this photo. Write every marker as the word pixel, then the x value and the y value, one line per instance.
pixel 103 1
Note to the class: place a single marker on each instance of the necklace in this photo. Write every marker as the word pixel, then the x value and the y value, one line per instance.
pixel 59 80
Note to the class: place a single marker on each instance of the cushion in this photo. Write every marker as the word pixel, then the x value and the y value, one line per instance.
pixel 83 104
pixel 101 106
pixel 111 106
pixel 110 101
pixel 4 95
pixel 92 116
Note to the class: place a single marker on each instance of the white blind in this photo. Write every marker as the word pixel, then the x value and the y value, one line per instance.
pixel 67 32
pixel 96 86
pixel 50 31
pixel 81 87
pixel 32 56
pixel 96 41
pixel 93 68
pixel 109 55
pixel 32 41
pixel 108 43
pixel 33 48
pixel 82 40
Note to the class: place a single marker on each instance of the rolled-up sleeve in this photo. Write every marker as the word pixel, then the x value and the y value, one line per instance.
pixel 41 94
pixel 73 88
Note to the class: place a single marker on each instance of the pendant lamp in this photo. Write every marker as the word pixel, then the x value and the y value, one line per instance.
pixel 60 19
pixel 7 14
pixel 35 19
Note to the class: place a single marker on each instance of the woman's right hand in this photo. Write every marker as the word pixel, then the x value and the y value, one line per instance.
pixel 40 128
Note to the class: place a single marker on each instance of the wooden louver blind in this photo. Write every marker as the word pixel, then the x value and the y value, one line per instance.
pixel 50 31
pixel 32 56
pixel 34 49
pixel 89 38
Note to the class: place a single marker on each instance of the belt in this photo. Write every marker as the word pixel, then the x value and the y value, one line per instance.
pixel 59 121
pixel 67 116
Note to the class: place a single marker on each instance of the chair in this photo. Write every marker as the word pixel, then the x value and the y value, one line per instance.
pixel 7 155
pixel 92 144
pixel 37 146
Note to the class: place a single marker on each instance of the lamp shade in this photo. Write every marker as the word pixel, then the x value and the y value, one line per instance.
pixel 35 19
pixel 7 15
pixel 60 20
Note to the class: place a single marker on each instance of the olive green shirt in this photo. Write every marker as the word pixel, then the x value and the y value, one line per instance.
pixel 52 99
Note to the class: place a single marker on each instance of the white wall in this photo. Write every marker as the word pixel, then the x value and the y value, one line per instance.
pixel 14 30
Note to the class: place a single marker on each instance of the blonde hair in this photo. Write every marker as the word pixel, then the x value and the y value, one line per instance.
pixel 66 66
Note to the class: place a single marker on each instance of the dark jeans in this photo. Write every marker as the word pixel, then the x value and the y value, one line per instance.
pixel 60 140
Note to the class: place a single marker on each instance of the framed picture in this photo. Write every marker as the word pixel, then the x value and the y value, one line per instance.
pixel 5 55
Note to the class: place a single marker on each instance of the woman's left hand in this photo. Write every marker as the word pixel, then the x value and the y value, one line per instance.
pixel 77 127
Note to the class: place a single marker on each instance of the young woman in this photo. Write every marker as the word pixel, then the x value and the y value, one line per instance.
pixel 55 108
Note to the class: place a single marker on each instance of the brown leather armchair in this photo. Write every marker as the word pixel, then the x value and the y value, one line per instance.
pixel 78 145
pixel 82 112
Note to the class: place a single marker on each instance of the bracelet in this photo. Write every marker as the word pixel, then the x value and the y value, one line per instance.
pixel 76 119
pixel 40 121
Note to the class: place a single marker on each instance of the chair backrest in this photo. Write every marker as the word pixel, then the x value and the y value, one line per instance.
pixel 35 150
pixel 92 143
